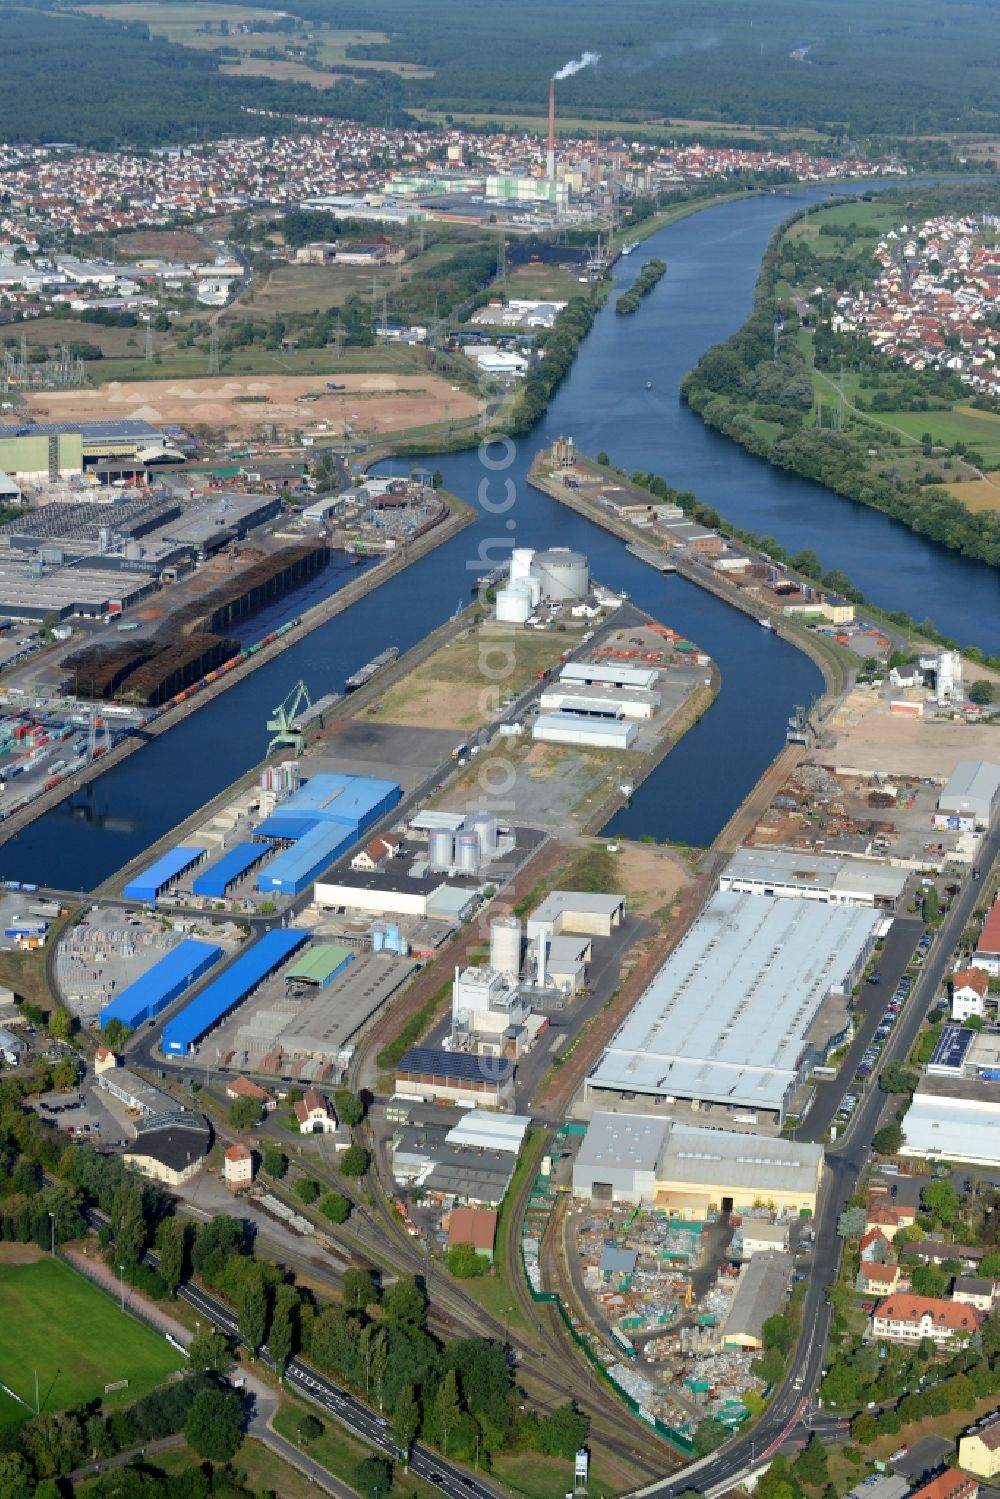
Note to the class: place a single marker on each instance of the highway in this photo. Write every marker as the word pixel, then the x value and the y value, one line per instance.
pixel 844 1167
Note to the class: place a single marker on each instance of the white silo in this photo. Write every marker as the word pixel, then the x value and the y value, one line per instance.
pixel 486 826
pixel 520 563
pixel 562 573
pixel 514 604
pixel 467 853
pixel 505 945
pixel 441 849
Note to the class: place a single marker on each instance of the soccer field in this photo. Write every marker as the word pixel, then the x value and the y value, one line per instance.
pixel 55 1322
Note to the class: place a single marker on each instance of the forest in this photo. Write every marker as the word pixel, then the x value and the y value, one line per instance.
pixel 849 69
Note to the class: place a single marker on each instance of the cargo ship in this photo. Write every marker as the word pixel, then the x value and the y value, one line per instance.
pixel 365 673
pixel 491 579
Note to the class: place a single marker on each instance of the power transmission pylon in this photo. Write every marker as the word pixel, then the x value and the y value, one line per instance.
pixel 149 343
pixel 213 352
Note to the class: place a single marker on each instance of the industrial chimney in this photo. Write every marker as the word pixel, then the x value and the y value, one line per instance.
pixel 550 160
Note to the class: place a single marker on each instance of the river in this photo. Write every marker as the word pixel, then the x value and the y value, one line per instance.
pixel 713 260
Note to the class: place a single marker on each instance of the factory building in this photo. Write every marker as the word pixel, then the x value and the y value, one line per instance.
pixel 251 968
pixel 430 1072
pixel 728 1021
pixel 396 895
pixel 158 876
pixel 600 701
pixel 970 798
pixel 579 912
pixel 692 1172
pixel 458 1155
pixel 809 876
pixel 160 985
pixel 608 674
pixel 954 1119
pixel 138 1096
pixel 317 823
pixel 64 450
pixel 584 733
pixel 760 1293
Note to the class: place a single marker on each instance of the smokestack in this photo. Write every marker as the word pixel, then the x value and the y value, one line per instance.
pixel 550 160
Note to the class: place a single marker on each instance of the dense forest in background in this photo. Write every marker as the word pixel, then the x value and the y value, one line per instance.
pixel 844 66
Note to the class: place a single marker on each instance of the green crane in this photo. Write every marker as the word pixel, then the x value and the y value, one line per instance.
pixel 281 724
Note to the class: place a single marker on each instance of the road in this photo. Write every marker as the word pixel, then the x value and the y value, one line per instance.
pixel 844 1167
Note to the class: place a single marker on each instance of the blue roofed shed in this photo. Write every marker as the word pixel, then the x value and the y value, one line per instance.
pixel 230 989
pixel 160 985
pixel 154 879
pixel 295 868
pixel 233 865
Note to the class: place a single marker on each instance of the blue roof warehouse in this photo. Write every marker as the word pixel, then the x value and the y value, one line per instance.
pixel 160 985
pixel 320 820
pixel 213 1004
pixel 151 881
pixel 233 865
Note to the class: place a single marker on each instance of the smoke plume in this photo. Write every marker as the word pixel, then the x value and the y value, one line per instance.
pixel 577 65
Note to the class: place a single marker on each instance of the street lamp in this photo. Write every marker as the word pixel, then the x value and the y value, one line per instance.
pixel 121 1283
pixel 52 1226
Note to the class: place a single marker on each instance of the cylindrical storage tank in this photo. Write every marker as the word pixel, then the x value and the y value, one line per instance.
pixel 513 605
pixel 467 852
pixel 534 586
pixel 441 848
pixel 505 945
pixel 520 562
pixel 486 826
pixel 563 574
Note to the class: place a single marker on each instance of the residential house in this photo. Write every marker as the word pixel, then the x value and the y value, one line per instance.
pixel 315 1115
pixel 104 1060
pixel 907 1318
pixel 875 1248
pixel 890 1217
pixel 948 1485
pixel 937 1251
pixel 238 1167
pixel 979 1449
pixel 971 986
pixel 988 946
pixel 377 852
pixel 974 1291
pixel 245 1087
pixel 876 1279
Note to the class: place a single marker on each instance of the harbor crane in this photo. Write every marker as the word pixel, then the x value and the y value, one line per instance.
pixel 282 723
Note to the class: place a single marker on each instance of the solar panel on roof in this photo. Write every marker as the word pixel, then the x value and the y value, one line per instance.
pixel 434 1061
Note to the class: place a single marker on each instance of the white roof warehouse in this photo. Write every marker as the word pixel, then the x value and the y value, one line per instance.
pixel 727 1018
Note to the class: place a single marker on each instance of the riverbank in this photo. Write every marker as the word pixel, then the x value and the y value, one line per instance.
pixel 835 665
pixel 459 516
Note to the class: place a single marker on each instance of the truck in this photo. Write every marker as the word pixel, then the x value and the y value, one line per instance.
pixel 459 751
pixel 128 624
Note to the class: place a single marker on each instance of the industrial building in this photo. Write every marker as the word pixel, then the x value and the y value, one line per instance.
pixel 729 1019
pixel 429 1072
pixel 809 876
pixel 138 1096
pixel 156 878
pixel 609 674
pixel 580 912
pixel 160 985
pixel 475 1226
pixel 760 1293
pixel 219 878
pixel 691 1172
pixel 318 822
pixel 396 895
pixel 251 968
pixel 555 575
pixel 970 798
pixel 171 1148
pixel 600 701
pixel 954 1119
pixel 64 450
pixel 319 965
pixel 583 732
pixel 465 1155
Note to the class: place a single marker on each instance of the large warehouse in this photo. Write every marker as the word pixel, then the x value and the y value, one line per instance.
pixel 62 450
pixel 318 823
pixel 190 1025
pixel 160 985
pixel 954 1119
pixel 971 796
pixel 727 1019
pixel 158 876
pixel 807 876
pixel 689 1171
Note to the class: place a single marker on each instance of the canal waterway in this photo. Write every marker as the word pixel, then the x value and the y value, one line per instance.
pixel 713 259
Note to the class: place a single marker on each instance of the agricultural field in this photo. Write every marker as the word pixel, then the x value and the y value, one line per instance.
pixel 310 288
pixel 621 127
pixel 977 494
pixel 543 283
pixel 56 1323
pixel 114 343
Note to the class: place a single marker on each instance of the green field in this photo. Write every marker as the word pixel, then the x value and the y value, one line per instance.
pixel 56 1323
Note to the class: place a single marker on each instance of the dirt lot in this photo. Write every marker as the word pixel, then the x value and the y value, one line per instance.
pixel 172 244
pixel 865 735
pixel 19 1254
pixel 373 403
pixel 460 686
pixel 978 494
pixel 651 877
